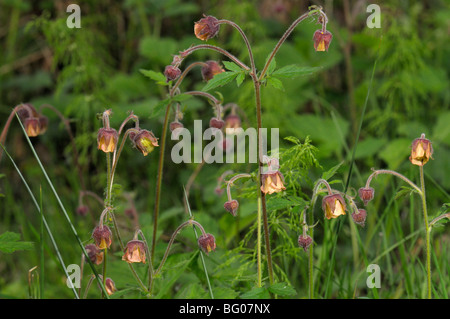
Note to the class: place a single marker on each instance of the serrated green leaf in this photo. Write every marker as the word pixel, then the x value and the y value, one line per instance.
pixel 240 78
pixel 282 289
pixel 293 70
pixel 220 80
pixel 272 66
pixel 232 66
pixel 156 76
pixel 9 243
pixel 276 83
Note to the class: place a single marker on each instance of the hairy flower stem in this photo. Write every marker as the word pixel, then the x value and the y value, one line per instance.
pixel 421 192
pixel 159 179
pixel 172 239
pixel 427 232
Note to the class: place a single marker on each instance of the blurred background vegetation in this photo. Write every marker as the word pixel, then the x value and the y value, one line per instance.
pixel 82 72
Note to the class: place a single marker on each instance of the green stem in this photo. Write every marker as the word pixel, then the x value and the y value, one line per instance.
pixel 427 232
pixel 259 243
pixel 104 268
pixel 159 179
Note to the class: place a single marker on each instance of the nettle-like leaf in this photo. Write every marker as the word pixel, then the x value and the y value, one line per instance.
pixel 220 80
pixel 404 191
pixel 293 70
pixel 9 243
pixel 282 289
pixel 158 77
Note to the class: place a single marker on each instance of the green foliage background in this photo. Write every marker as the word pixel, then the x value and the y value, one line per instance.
pixel 84 71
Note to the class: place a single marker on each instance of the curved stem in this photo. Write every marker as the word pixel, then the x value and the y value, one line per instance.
pixel 204 94
pixel 183 75
pixel 286 35
pixel 427 232
pixel 214 48
pixel 385 171
pixel 244 37
pixel 172 239
pixel 230 182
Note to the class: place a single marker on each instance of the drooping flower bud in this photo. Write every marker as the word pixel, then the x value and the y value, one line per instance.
pixel 174 125
pixel 110 286
pixel 210 69
pixel 82 210
pixel 232 206
pixel 366 194
pixel 102 237
pixel 359 217
pixel 322 40
pixel 95 254
pixel 304 241
pixel 134 252
pixel 172 73
pixel 107 139
pixel 216 123
pixel 32 126
pixel 206 28
pixel 421 151
pixel 333 206
pixel 145 141
pixel 207 243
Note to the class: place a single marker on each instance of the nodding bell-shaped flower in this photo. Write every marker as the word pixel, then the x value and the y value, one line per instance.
pixel 95 254
pixel 110 286
pixel 333 206
pixel 174 125
pixel 322 40
pixel 43 123
pixel 102 237
pixel 421 151
pixel 232 123
pixel 32 126
pixel 172 73
pixel 304 241
pixel 232 206
pixel 210 69
pixel 272 182
pixel 207 243
pixel 206 28
pixel 145 141
pixel 107 139
pixel 366 194
pixel 359 217
pixel 134 252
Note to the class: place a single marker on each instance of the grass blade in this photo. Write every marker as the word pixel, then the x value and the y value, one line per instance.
pixel 44 221
pixel 80 243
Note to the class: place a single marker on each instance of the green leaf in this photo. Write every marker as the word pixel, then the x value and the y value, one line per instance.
pixel 272 66
pixel 256 293
pixel 282 289
pixel 240 78
pixel 220 80
pixel 181 97
pixel 330 173
pixel 276 83
pixel 156 76
pixel 293 70
pixel 232 66
pixel 404 191
pixel 9 243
